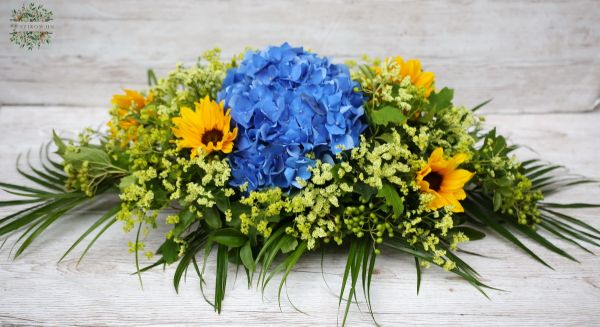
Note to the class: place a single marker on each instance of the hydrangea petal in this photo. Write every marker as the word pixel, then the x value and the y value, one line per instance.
pixel 290 106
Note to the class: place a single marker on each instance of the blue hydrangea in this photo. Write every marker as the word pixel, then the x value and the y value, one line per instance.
pixel 289 103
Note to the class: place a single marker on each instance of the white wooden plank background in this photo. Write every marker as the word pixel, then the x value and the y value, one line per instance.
pixel 539 60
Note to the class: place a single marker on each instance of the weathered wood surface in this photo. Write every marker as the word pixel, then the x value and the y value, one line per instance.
pixel 531 56
pixel 35 290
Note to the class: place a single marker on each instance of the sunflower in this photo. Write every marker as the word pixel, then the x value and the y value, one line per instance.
pixel 441 178
pixel 208 127
pixel 418 77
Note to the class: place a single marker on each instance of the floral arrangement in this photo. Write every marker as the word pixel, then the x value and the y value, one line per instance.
pixel 280 152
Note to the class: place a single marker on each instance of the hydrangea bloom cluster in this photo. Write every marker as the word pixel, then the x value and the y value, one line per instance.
pixel 289 104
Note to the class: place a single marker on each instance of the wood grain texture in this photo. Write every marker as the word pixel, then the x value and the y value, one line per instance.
pixel 35 290
pixel 532 56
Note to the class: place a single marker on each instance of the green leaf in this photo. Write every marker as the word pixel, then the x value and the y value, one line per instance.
pixel 392 198
pixel 386 115
pixel 161 197
pixel 497 201
pixel 186 218
pixel 246 256
pixel 441 99
pixel 169 251
pixel 93 155
pixel 212 218
pixel 230 237
pixel 364 190
pixel 59 143
pixel 386 137
pixel 289 243
pixel 126 182
pixel 237 209
pixel 222 201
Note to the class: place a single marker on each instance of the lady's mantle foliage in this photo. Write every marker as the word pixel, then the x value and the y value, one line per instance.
pixel 288 104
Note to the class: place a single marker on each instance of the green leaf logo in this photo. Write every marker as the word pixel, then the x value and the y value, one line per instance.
pixel 31 26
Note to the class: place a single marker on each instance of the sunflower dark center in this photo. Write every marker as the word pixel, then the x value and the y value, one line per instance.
pixel 214 136
pixel 435 180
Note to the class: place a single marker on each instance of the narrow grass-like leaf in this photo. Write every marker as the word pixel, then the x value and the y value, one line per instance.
pixel 526 163
pixel 44 156
pixel 474 210
pixel 554 230
pixel 201 280
pixel 349 263
pixel 157 263
pixel 28 218
pixel 181 268
pixel 39 181
pixel 51 218
pixel 529 232
pixel 533 175
pixel 570 205
pixel 368 272
pixel 289 263
pixel 151 77
pixel 24 235
pixel 45 195
pixel 571 219
pixel 109 214
pixel 21 188
pixel 12 203
pixel 354 261
pixel 197 241
pixel 19 213
pixel 270 273
pixel 399 244
pixel 93 240
pixel 45 175
pixel 572 231
pixel 221 280
pixel 418 268
pixel 137 251
pixel 570 227
pixel 481 105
